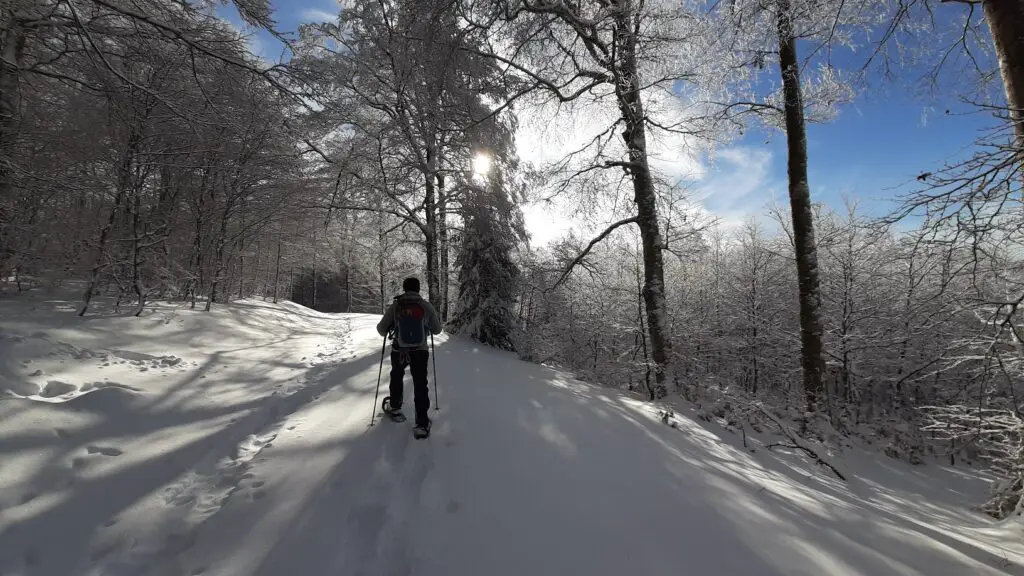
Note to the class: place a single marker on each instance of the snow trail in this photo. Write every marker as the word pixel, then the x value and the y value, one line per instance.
pixel 528 472
pixel 268 467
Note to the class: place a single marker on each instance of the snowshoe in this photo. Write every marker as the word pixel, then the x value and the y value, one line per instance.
pixel 421 432
pixel 395 414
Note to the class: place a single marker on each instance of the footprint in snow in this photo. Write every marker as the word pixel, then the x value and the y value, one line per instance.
pixel 55 388
pixel 104 450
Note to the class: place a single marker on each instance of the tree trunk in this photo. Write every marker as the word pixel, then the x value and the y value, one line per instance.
pixel 430 234
pixel 348 289
pixel 846 327
pixel 10 105
pixel 241 256
pixel 258 258
pixel 10 96
pixel 98 266
pixel 189 286
pixel 1005 20
pixel 380 272
pixel 124 177
pixel 442 240
pixel 382 261
pixel 241 274
pixel 348 220
pixel 197 248
pixel 753 328
pixel 218 269
pixel 635 137
pixel 140 292
pixel 269 272
pixel 643 333
pixel 195 283
pixel 314 270
pixel 277 271
pixel 800 206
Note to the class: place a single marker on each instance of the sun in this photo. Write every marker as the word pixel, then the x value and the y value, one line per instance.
pixel 481 164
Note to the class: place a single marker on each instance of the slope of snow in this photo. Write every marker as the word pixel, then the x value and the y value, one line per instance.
pixel 237 443
pixel 118 436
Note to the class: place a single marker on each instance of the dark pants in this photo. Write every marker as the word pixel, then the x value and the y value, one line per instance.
pixel 417 361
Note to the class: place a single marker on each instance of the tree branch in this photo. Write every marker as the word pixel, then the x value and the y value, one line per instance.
pixel 594 242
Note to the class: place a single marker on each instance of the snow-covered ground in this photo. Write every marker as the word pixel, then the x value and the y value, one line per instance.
pixel 236 443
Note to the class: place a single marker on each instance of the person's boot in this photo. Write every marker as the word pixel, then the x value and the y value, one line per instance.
pixel 392 412
pixel 422 430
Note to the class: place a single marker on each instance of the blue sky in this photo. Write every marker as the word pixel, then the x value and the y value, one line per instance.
pixel 871 152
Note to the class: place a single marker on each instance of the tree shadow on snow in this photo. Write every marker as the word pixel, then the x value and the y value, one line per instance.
pixel 527 472
pixel 58 539
pixel 712 495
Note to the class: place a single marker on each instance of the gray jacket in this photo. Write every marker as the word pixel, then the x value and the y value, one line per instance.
pixel 432 320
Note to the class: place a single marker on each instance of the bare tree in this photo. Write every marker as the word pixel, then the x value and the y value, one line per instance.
pixel 762 33
pixel 592 51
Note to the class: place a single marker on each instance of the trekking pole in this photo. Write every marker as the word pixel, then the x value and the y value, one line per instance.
pixel 434 358
pixel 379 373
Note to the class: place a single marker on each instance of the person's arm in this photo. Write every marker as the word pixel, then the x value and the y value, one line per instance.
pixel 433 320
pixel 384 326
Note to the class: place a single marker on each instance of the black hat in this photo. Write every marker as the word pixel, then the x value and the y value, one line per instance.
pixel 411 284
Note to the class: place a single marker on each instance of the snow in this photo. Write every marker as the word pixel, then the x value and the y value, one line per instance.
pixel 236 442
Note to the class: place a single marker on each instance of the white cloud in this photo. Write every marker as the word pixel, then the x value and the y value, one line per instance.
pixel 736 184
pixel 545 223
pixel 739 182
pixel 732 184
pixel 547 133
pixel 317 15
pixel 674 156
pixel 251 34
pixel 255 45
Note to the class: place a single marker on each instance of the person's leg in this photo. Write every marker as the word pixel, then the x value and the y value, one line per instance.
pixel 418 367
pixel 397 376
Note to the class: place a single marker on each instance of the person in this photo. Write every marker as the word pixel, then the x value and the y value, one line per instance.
pixel 407 320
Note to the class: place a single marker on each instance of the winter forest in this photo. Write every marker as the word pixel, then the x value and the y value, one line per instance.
pixel 147 154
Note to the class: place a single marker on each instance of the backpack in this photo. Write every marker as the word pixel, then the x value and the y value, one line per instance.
pixel 410 324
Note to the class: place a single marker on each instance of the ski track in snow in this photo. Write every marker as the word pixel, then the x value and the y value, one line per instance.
pixel 273 470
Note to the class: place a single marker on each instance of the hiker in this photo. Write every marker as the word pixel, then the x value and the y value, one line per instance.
pixel 407 320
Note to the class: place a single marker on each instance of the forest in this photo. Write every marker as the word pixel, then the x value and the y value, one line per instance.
pixel 146 154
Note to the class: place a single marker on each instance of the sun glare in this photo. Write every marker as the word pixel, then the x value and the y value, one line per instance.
pixel 481 165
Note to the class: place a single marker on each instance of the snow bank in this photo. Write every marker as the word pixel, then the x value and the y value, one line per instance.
pixel 119 435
